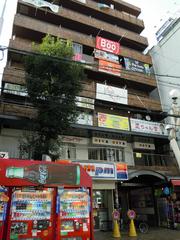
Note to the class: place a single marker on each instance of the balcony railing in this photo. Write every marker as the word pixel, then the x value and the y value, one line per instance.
pixel 148 159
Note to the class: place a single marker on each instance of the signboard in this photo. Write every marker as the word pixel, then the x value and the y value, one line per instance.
pixel 141 145
pixel 75 140
pixel 4 155
pixel 99 170
pixel 121 171
pixel 113 121
pixel 15 89
pixel 106 56
pixel 111 94
pixel 107 45
pixel 109 142
pixel 109 67
pixel 136 66
pixel 41 3
pixel 131 214
pixel 85 118
pixel 85 102
pixel 41 173
pixel 116 215
pixel 143 126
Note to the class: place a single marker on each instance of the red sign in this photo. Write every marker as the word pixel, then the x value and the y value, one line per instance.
pixel 131 214
pixel 109 67
pixel 107 45
pixel 116 215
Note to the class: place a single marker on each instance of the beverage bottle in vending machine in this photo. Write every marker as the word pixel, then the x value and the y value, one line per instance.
pixel 46 173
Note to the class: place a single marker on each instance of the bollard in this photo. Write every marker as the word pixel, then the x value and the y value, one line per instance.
pixel 116 231
pixel 132 229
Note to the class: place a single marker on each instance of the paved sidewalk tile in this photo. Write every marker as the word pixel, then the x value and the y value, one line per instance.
pixel 157 234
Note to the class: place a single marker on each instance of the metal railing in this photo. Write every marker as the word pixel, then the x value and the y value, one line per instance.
pixel 149 159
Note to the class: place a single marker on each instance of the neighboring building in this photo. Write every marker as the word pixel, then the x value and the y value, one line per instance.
pixel 114 130
pixel 166 61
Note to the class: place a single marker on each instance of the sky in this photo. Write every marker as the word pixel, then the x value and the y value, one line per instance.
pixel 154 13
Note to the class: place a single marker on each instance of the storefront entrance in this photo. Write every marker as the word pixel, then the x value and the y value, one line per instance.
pixel 138 193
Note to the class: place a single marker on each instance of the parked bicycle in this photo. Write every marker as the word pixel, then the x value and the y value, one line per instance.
pixel 140 224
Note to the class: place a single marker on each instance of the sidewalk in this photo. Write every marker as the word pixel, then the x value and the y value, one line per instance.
pixel 155 234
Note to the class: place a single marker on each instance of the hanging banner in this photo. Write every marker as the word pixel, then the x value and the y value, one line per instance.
pixel 107 45
pixel 106 56
pixel 113 121
pixel 111 94
pixel 136 66
pixel 121 171
pixel 109 67
pixel 138 125
pixel 41 3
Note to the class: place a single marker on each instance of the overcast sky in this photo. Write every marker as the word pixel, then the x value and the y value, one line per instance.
pixel 154 13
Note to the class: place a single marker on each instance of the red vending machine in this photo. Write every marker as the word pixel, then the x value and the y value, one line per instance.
pixel 47 201
pixel 31 214
pixel 3 209
pixel 74 216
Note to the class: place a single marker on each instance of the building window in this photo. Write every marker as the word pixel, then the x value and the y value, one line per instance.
pixel 68 152
pixel 107 154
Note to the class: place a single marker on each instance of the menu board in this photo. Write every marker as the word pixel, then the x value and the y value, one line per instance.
pixel 74 203
pixel 31 205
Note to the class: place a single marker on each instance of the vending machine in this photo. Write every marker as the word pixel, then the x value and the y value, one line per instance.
pixel 73 209
pixel 3 209
pixel 48 201
pixel 31 214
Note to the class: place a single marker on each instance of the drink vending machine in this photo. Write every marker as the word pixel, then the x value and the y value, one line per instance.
pixel 46 201
pixel 3 209
pixel 73 211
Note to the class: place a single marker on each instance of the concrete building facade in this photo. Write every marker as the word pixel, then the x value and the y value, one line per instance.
pixel 118 137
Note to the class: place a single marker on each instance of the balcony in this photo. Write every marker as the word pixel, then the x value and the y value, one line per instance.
pixel 25 27
pixel 86 25
pixel 155 162
pixel 17 76
pixel 113 16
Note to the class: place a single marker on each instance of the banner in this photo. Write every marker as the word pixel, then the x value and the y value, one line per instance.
pixel 138 125
pixel 136 66
pixel 106 56
pixel 107 45
pixel 109 67
pixel 113 121
pixel 111 94
pixel 121 171
pixel 41 3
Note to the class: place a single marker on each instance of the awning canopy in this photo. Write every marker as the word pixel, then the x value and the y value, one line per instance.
pixel 175 182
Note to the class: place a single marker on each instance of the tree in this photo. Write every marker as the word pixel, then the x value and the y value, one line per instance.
pixel 53 81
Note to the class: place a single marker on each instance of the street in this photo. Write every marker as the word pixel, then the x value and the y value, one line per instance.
pixel 154 234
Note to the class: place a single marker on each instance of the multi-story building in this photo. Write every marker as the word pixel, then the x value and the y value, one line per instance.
pixel 119 122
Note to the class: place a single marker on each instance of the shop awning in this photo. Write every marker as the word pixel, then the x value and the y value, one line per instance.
pixel 175 182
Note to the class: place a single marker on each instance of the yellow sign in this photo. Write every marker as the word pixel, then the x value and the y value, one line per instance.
pixel 113 121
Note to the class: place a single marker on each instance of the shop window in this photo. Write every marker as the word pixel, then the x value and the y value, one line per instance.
pixel 108 154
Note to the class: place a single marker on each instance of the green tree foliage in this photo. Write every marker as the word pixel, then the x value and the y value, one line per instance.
pixel 53 81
